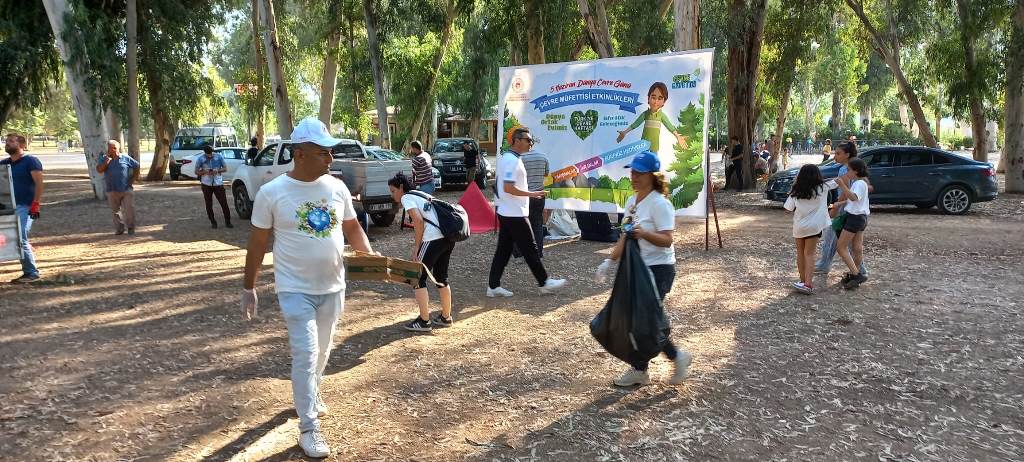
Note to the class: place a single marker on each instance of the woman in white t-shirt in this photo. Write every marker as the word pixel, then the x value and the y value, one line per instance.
pixel 652 219
pixel 429 247
pixel 808 199
pixel 855 189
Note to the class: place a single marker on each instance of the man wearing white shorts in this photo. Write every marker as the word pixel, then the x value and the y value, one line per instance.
pixel 303 210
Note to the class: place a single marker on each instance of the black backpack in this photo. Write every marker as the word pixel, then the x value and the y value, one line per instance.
pixel 452 219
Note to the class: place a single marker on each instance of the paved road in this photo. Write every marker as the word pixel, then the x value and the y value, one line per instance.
pixel 76 159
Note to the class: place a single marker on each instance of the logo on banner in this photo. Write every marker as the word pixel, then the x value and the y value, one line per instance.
pixel 583 123
pixel 626 101
pixel 686 80
pixel 518 90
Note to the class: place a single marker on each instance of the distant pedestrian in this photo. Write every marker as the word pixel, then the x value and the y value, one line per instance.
pixel 27 176
pixel 119 174
pixel 310 215
pixel 422 168
pixel 428 247
pixel 736 157
pixel 537 168
pixel 808 199
pixel 254 148
pixel 513 209
pixel 826 151
pixel 211 167
pixel 470 159
pixel 651 220
pixel 855 189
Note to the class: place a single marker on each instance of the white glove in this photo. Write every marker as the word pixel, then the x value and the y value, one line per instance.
pixel 601 276
pixel 249 300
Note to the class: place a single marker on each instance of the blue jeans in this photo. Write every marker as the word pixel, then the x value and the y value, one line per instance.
pixel 311 321
pixel 28 260
pixel 427 187
pixel 829 247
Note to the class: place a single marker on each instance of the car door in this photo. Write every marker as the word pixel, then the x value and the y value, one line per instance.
pixel 916 176
pixel 233 157
pixel 263 166
pixel 284 162
pixel 881 166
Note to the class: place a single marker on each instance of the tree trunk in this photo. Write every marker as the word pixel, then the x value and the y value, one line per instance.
pixel 780 121
pixel 970 63
pixel 474 127
pixel 837 119
pixel 904 117
pixel 282 106
pixel 743 66
pixel 887 47
pixel 257 55
pixel 376 66
pixel 597 28
pixel 865 118
pixel 163 129
pixel 132 65
pixel 352 79
pixel 113 126
pixel 1013 128
pixel 329 82
pixel 435 68
pixel 687 25
pixel 534 31
pixel 90 120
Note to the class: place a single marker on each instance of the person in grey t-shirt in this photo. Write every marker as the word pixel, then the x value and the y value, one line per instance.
pixel 537 168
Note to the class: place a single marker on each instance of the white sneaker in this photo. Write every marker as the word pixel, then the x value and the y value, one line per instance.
pixel 683 360
pixel 321 406
pixel 314 444
pixel 552 285
pixel 633 377
pixel 498 292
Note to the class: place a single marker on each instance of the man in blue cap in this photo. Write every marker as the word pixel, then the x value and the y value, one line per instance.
pixel 303 210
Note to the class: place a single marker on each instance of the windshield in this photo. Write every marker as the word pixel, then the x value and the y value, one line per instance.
pixel 385 154
pixel 189 142
pixel 346 150
pixel 450 146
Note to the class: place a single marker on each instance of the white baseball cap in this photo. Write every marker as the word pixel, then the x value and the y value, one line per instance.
pixel 312 130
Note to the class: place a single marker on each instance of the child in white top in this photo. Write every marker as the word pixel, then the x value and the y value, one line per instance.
pixel 855 189
pixel 808 199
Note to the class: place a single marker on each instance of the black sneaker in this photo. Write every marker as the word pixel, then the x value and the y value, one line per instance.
pixel 855 281
pixel 846 278
pixel 437 321
pixel 25 279
pixel 418 325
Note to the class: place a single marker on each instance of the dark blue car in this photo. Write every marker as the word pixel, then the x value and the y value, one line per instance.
pixel 920 176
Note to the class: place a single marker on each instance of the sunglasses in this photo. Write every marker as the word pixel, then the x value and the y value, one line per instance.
pixel 532 141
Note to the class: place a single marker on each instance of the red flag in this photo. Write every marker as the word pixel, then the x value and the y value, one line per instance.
pixel 479 209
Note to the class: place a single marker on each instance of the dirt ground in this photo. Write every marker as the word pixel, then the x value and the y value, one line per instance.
pixel 134 348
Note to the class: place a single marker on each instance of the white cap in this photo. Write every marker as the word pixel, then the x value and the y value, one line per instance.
pixel 312 130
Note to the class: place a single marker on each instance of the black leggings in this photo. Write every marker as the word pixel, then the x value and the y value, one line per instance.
pixel 435 256
pixel 515 232
pixel 208 193
pixel 664 275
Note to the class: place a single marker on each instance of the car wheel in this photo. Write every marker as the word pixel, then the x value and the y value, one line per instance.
pixel 954 200
pixel 383 218
pixel 175 172
pixel 243 205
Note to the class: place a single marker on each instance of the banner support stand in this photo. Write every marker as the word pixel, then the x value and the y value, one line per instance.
pixel 710 201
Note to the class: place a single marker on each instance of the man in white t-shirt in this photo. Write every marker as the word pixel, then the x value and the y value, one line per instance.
pixel 513 201
pixel 310 214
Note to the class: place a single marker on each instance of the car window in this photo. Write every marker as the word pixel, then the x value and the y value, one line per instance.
pixel 190 142
pixel 915 158
pixel 222 140
pixel 347 151
pixel 880 159
pixel 266 157
pixel 940 159
pixel 450 146
pixel 286 156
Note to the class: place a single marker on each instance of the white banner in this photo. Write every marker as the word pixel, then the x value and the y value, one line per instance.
pixel 592 117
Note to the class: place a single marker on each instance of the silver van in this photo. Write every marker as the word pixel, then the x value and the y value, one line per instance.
pixel 189 141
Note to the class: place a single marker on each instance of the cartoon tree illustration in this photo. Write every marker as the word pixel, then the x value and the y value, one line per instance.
pixel 688 165
pixel 509 124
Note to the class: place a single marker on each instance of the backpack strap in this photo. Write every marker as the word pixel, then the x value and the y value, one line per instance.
pixel 430 199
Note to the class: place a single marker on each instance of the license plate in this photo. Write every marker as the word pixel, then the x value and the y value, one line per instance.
pixel 378 207
pixel 457 168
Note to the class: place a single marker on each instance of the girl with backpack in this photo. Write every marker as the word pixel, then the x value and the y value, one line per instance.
pixel 855 189
pixel 808 199
pixel 650 219
pixel 430 248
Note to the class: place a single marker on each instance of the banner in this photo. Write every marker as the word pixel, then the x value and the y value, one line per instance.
pixel 592 117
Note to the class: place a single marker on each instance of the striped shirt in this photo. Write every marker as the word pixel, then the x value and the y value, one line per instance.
pixel 536 169
pixel 422 172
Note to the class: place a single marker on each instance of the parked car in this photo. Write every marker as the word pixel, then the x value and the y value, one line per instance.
pixel 189 141
pixel 449 158
pixel 233 157
pixel 921 176
pixel 380 153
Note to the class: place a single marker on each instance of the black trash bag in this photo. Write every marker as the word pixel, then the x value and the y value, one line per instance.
pixel 632 326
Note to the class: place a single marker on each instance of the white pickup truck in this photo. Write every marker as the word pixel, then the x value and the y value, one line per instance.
pixel 365 176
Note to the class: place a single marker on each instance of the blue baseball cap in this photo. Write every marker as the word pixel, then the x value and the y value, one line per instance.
pixel 645 162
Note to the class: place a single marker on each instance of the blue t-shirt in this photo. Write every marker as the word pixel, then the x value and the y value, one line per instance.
pixel 216 162
pixel 21 171
pixel 119 172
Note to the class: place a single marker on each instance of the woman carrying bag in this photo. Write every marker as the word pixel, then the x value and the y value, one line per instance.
pixel 650 219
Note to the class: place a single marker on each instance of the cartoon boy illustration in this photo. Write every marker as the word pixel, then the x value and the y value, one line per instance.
pixel 653 118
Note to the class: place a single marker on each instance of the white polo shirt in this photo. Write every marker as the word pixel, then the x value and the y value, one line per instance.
pixel 511 170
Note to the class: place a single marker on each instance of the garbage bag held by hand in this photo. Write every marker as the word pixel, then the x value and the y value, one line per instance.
pixel 632 325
